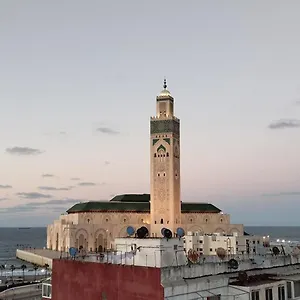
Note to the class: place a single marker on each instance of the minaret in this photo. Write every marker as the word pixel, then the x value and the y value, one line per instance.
pixel 165 205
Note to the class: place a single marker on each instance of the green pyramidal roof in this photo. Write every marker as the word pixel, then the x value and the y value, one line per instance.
pixel 139 203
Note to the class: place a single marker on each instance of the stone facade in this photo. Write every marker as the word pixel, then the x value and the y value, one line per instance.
pixel 95 228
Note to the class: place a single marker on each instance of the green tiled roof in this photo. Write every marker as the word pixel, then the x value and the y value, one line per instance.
pixel 131 198
pixel 137 203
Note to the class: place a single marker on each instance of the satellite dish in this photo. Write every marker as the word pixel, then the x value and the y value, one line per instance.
pixel 258 260
pixel 296 252
pixel 288 250
pixel 221 253
pixel 193 256
pixel 261 250
pixel 275 250
pixel 180 232
pixel 73 251
pixel 242 276
pixel 162 231
pixel 167 233
pixel 130 230
pixel 142 232
pixel 233 264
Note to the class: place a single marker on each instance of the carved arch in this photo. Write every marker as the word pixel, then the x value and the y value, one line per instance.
pixel 123 232
pixel 196 228
pixel 100 240
pixel 219 230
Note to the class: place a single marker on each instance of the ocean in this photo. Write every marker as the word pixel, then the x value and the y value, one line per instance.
pixel 14 238
pixel 35 237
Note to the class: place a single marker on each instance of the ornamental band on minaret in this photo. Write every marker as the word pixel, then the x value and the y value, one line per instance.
pixel 165 207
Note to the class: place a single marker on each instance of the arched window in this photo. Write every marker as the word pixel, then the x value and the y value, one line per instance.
pixel 154 154
pixel 161 221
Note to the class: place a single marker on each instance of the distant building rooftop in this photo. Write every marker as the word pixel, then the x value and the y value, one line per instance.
pixel 136 203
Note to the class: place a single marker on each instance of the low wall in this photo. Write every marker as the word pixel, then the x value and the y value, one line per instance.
pixel 34 258
pixel 27 289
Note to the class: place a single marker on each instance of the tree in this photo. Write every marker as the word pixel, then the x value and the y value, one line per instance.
pixel 35 267
pixel 12 268
pixel 23 267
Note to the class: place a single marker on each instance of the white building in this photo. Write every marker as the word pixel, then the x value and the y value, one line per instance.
pixel 207 244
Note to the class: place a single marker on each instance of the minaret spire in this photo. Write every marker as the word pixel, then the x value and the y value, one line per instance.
pixel 165 83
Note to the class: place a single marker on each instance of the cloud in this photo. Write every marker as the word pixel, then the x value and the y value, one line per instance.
pixel 282 124
pixel 23 151
pixel 281 194
pixel 5 186
pixel 107 162
pixel 86 183
pixel 107 130
pixel 52 188
pixel 33 195
pixel 75 178
pixel 48 175
pixel 62 133
pixel 54 205
pixel 3 199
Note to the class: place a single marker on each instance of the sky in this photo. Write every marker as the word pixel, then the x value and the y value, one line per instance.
pixel 78 83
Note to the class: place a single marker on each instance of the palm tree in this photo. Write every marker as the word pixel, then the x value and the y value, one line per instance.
pixel 12 268
pixel 23 267
pixel 46 266
pixel 35 267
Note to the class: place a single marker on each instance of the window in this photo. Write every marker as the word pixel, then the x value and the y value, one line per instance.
pixel 167 154
pixel 210 249
pixel 269 294
pixel 154 154
pixel 255 295
pixel 46 291
pixel 289 289
pixel 281 293
pixel 161 221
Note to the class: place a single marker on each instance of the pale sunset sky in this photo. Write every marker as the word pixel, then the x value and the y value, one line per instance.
pixel 78 81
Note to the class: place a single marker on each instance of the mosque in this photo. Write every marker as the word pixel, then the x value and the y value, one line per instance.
pixel 94 225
